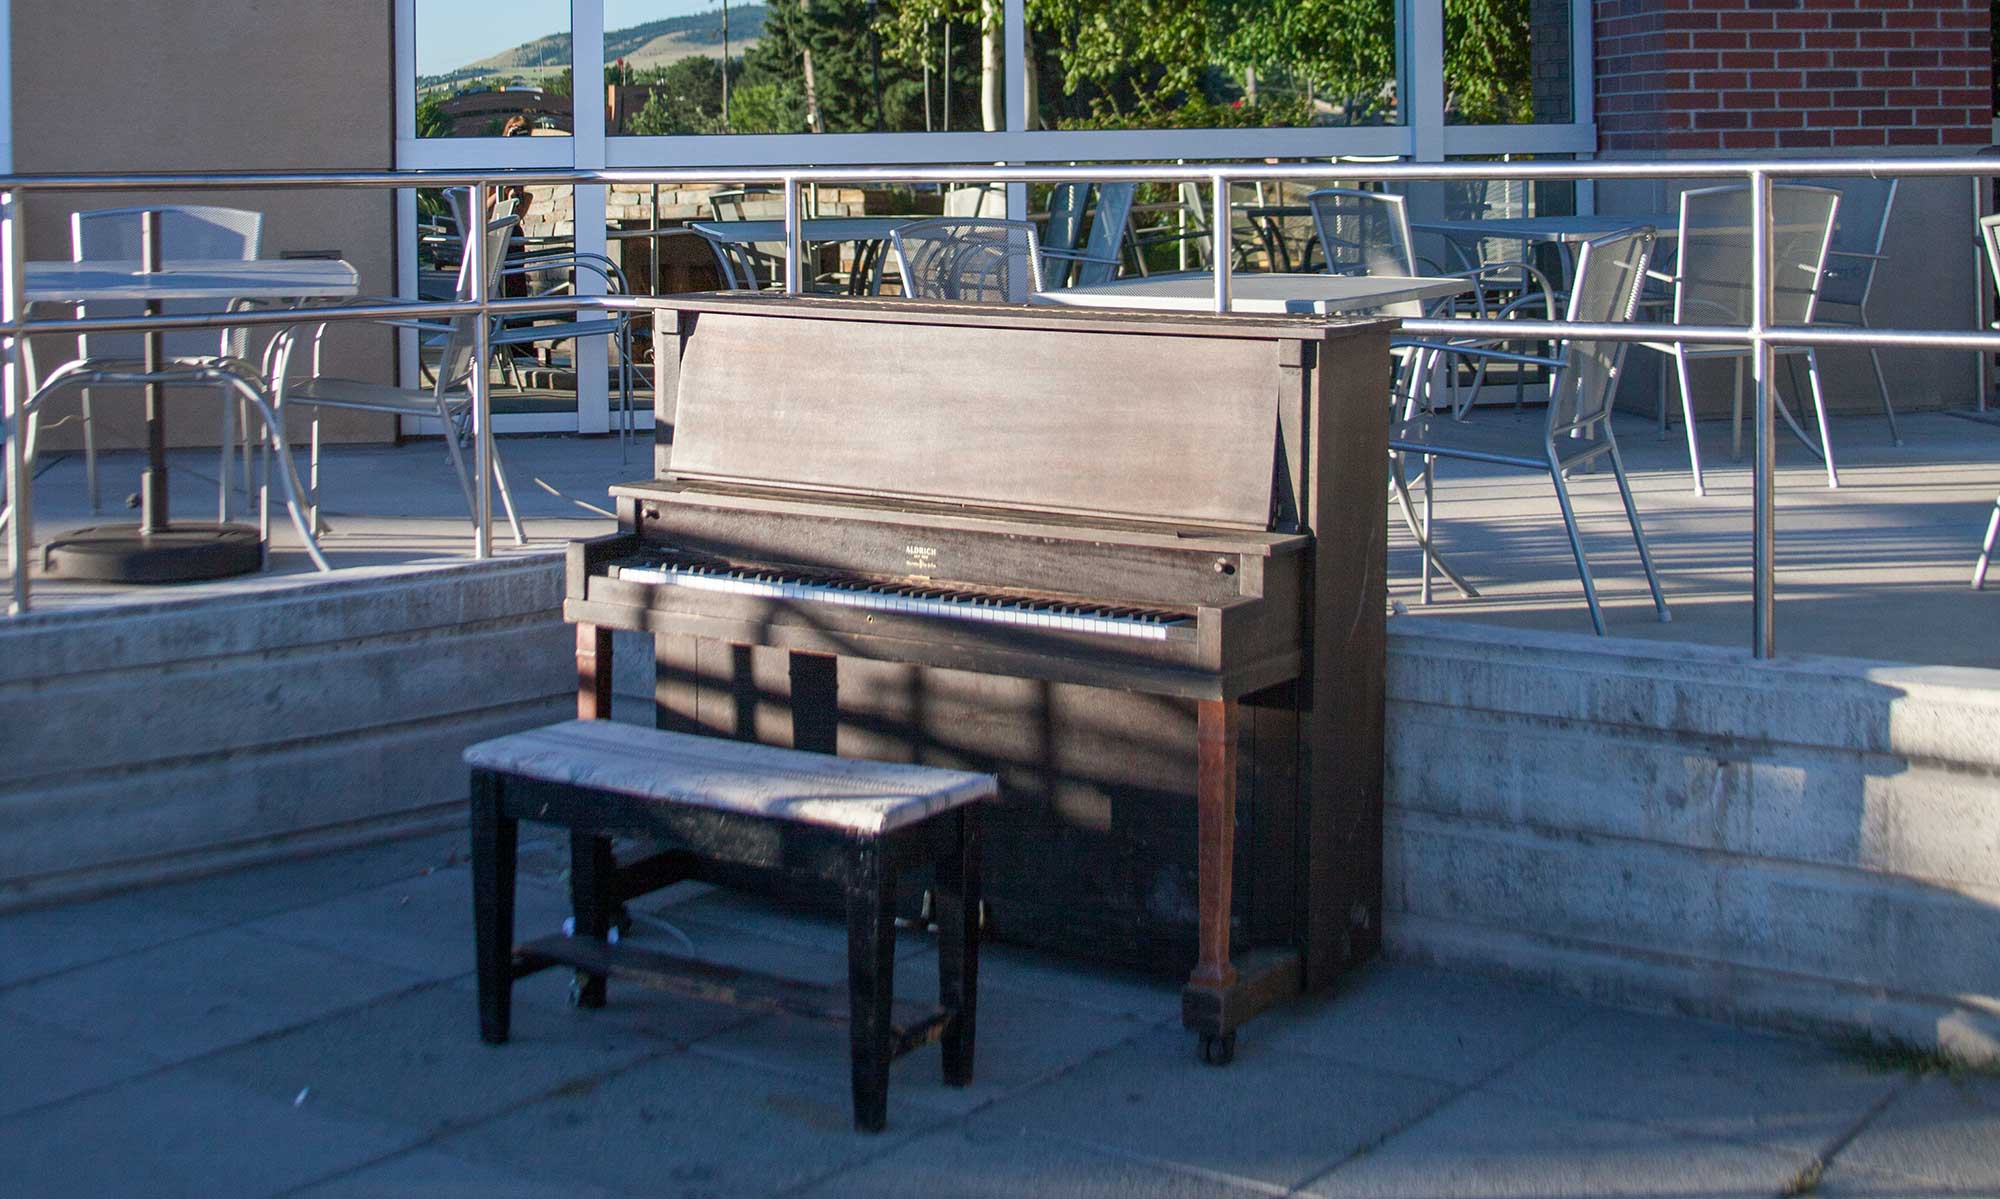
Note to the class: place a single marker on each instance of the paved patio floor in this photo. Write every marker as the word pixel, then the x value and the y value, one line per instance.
pixel 308 1028
pixel 1877 569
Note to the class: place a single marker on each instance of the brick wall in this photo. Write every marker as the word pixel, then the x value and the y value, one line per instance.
pixel 1844 75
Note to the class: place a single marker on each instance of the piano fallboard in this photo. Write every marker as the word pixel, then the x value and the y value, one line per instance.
pixel 1025 598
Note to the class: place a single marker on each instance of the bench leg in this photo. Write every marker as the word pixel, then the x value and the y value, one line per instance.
pixel 593 672
pixel 493 855
pixel 590 875
pixel 958 945
pixel 871 962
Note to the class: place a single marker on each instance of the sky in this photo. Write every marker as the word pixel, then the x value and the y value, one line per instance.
pixel 452 33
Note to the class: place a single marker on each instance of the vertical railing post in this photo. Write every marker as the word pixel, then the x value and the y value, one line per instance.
pixel 794 242
pixel 478 217
pixel 1218 240
pixel 1763 602
pixel 13 398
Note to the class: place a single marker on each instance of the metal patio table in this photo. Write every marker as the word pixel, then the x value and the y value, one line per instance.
pixel 1300 293
pixel 870 235
pixel 158 549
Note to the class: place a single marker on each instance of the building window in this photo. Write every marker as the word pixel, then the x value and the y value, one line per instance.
pixel 1247 64
pixel 493 68
pixel 1507 62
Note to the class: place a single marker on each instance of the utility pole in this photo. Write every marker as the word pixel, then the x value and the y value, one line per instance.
pixel 806 57
pixel 725 66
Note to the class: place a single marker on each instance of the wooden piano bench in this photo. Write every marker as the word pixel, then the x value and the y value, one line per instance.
pixel 733 812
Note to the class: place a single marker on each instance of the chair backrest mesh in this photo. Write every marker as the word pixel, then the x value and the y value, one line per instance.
pixel 186 232
pixel 964 258
pixel 744 266
pixel 1362 233
pixel 1714 268
pixel 1610 274
pixel 1989 236
pixel 1865 205
pixel 455 360
pixel 1105 240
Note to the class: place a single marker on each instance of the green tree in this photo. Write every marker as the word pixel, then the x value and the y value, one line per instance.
pixel 1487 67
pixel 686 98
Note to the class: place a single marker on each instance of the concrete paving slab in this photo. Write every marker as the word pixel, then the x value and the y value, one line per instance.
pixel 683 1124
pixel 178 1133
pixel 1113 992
pixel 1701 1078
pixel 42 1064
pixel 1273 1117
pixel 240 896
pixel 415 1062
pixel 203 993
pixel 1491 1146
pixel 428 1174
pixel 1941 1132
pixel 779 921
pixel 421 924
pixel 1843 1182
pixel 1010 1165
pixel 45 941
pixel 1456 1028
pixel 1020 1040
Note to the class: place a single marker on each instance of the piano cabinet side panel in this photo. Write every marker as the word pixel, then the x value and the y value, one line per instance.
pixel 1091 852
pixel 1341 746
pixel 669 341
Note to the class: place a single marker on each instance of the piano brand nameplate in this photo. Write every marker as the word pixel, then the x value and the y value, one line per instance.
pixel 1130 424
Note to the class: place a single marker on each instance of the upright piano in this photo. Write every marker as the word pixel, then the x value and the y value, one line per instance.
pixel 1133 563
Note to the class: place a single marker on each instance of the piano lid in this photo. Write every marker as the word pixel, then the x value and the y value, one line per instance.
pixel 1083 419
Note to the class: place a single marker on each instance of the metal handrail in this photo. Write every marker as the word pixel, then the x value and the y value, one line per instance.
pixel 1759 335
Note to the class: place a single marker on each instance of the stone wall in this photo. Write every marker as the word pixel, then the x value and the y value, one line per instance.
pixel 1813 843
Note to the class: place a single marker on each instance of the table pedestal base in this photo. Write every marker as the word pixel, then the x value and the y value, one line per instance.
pixel 182 552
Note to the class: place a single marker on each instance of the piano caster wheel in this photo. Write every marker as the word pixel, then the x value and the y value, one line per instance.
pixel 1218 1049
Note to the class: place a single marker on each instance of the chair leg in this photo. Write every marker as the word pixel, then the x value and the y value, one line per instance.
pixel 90 456
pixel 1819 410
pixel 871 961
pixel 507 497
pixel 1736 410
pixel 1430 467
pixel 1687 414
pixel 590 873
pixel 958 946
pixel 1576 544
pixel 1408 508
pixel 227 458
pixel 1986 550
pixel 1882 387
pixel 494 840
pixel 1638 534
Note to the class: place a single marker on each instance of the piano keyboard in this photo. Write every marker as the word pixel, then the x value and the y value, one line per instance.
pixel 912 599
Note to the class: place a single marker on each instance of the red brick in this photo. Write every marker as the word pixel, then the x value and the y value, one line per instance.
pixel 1778 118
pixel 1859 137
pixel 1750 139
pixel 1886 116
pixel 1721 120
pixel 1913 137
pixel 1831 79
pixel 1749 100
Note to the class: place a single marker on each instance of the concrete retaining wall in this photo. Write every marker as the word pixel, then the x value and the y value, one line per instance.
pixel 144 741
pixel 1814 843
pixel 1811 844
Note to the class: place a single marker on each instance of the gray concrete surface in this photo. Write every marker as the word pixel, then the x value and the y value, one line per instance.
pixel 308 1029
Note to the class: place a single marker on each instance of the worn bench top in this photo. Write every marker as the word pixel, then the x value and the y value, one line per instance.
pixel 732 776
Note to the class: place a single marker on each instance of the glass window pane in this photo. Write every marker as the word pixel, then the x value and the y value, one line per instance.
pixel 803 66
pixel 1507 62
pixel 493 68
pixel 1172 64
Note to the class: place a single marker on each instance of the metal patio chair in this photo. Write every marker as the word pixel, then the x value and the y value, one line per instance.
pixel 963 258
pixel 1989 239
pixel 1849 275
pixel 1711 283
pixel 1577 428
pixel 1067 264
pixel 189 231
pixel 294 364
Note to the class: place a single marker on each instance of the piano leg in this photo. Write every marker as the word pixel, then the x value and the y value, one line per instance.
pixel 593 672
pixel 1219 997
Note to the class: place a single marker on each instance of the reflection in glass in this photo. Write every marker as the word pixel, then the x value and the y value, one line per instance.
pixel 1208 64
pixel 1507 62
pixel 802 66
pixel 493 68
